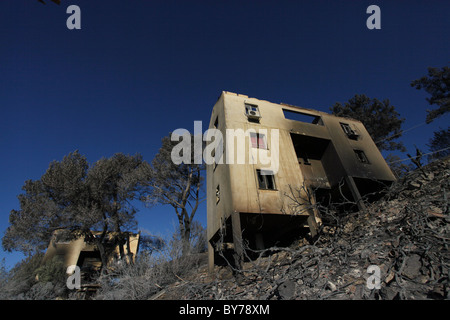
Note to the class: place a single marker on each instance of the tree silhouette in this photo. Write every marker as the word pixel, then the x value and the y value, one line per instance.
pixel 439 144
pixel 437 84
pixel 55 1
pixel 178 185
pixel 380 118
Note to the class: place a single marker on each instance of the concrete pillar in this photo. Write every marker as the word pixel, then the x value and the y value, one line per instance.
pixel 355 193
pixel 237 240
pixel 210 258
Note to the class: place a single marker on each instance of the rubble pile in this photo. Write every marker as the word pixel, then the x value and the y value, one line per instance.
pixel 403 238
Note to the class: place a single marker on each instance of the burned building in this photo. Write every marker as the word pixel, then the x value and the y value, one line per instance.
pixel 290 158
pixel 76 251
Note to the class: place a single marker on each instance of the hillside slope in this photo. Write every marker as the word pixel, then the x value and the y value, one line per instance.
pixel 405 234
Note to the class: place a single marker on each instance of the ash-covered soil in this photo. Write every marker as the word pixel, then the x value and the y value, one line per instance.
pixel 405 236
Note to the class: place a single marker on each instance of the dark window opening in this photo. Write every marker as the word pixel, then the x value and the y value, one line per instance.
pixel 352 134
pixel 216 122
pixel 213 154
pixel 217 194
pixel 317 160
pixel 309 148
pixel 303 117
pixel 361 156
pixel 265 179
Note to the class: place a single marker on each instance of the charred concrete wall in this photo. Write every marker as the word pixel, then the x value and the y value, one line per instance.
pixel 78 252
pixel 316 151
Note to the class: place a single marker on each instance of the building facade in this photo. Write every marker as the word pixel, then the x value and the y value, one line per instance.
pixel 86 255
pixel 277 162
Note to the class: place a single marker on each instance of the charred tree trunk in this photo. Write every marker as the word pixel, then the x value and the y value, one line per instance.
pixel 185 232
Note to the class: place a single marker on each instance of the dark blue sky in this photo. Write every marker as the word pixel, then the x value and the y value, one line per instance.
pixel 140 69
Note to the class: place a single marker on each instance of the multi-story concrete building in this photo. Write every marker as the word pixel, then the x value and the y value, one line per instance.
pixel 292 157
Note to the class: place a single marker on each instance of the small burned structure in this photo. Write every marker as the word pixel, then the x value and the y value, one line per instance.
pixel 292 158
pixel 78 251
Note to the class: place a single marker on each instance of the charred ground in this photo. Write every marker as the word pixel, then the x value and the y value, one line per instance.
pixel 406 234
